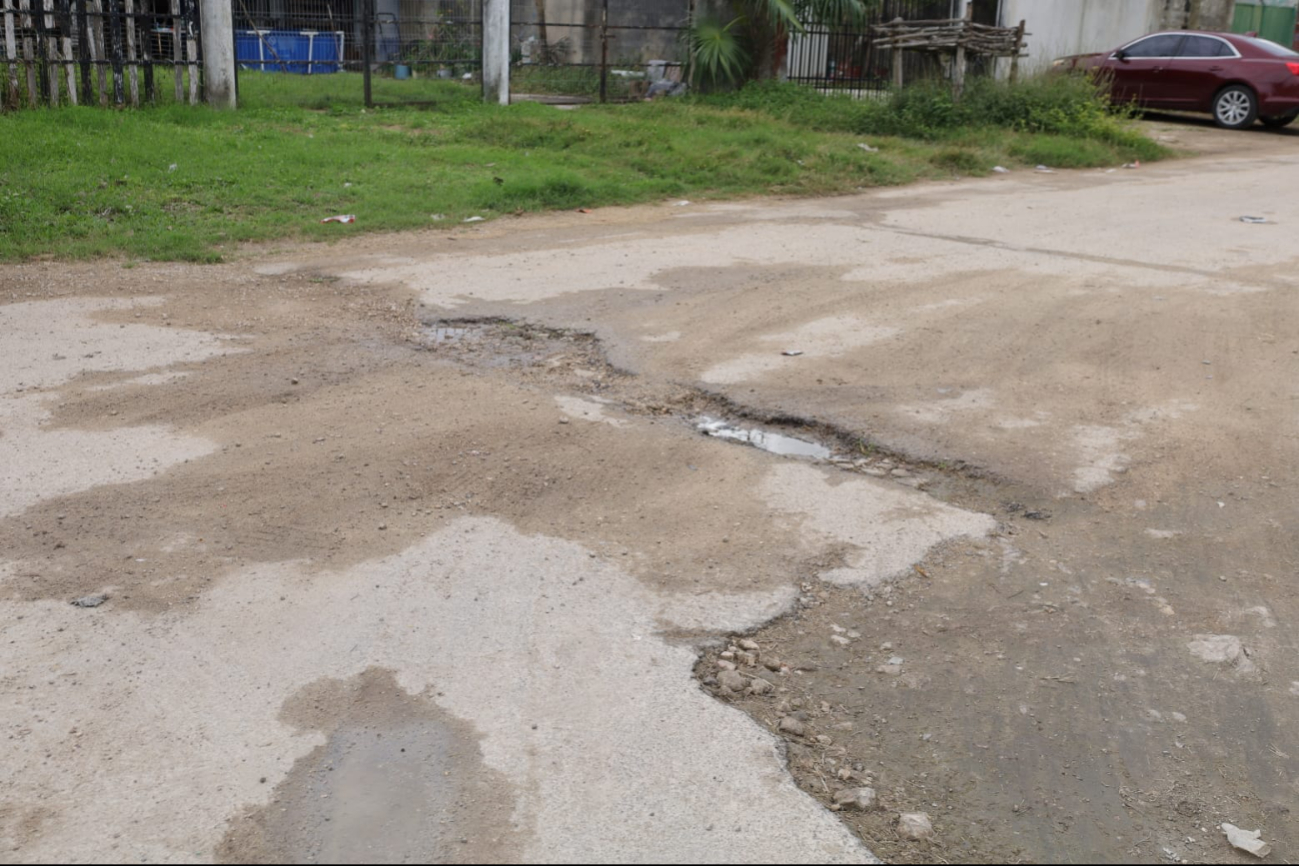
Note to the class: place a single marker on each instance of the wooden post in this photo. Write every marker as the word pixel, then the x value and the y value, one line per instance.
pixel 52 52
pixel 1014 58
pixel 896 53
pixel 69 66
pixel 132 70
pixel 958 63
pixel 83 48
pixel 191 46
pixel 11 51
pixel 177 49
pixel 115 45
pixel 29 56
pixel 99 54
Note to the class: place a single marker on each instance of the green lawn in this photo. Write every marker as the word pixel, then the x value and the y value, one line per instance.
pixel 181 183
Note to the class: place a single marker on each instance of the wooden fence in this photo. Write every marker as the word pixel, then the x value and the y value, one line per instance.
pixel 106 52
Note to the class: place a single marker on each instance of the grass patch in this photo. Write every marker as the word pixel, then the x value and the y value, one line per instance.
pixel 179 183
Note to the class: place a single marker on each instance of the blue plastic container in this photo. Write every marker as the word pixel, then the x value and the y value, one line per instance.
pixel 301 52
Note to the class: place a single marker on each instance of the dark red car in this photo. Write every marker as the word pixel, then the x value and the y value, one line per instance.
pixel 1238 79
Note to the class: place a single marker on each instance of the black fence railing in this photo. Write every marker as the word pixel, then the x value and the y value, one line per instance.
pixel 110 52
pixel 842 59
pixel 386 41
pixel 598 49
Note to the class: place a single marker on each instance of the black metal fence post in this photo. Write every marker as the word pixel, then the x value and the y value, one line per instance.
pixel 83 49
pixel 42 48
pixel 151 21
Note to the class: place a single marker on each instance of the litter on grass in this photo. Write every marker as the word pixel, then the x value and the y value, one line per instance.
pixel 342 218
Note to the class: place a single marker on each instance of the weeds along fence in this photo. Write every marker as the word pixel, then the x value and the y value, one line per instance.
pixel 105 52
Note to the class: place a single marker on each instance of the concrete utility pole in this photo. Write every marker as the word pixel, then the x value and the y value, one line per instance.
pixel 496 51
pixel 218 53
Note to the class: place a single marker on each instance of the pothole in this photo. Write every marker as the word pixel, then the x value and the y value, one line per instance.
pixel 775 443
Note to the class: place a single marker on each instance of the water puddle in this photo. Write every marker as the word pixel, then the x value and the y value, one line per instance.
pixel 442 335
pixel 775 443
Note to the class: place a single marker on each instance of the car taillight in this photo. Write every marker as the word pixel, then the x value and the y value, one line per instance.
pixel 1293 67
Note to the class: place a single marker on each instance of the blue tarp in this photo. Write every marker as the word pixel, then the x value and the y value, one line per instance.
pixel 303 52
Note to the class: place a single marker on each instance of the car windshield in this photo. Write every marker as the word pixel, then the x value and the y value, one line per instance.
pixel 1270 47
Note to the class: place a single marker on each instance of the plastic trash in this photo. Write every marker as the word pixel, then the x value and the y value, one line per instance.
pixel 1247 840
pixel 1000 169
pixel 1253 219
pixel 474 219
pixel 866 147
pixel 438 217
pixel 792 353
pixel 343 218
pixel 1044 169
pixel 1136 164
pixel 682 203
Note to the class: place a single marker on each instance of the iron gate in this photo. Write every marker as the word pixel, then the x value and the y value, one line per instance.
pixel 110 52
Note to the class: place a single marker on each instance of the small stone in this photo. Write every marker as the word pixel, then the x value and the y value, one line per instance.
pixel 747 659
pixel 723 664
pixel 791 725
pixel 729 656
pixel 915 826
pixel 824 740
pixel 861 799
pixel 759 686
pixel 840 640
pixel 90 601
pixel 887 646
pixel 732 681
pixel 383 526
pixel 843 726
pixel 749 645
pixel 844 774
pixel 772 665
pixel 896 660
pixel 293 381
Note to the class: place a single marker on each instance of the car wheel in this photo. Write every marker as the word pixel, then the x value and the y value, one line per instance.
pixel 1235 107
pixel 1278 122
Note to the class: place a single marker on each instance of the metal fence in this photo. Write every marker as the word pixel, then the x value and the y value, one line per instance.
pixel 842 59
pixel 596 49
pixel 387 46
pixel 110 52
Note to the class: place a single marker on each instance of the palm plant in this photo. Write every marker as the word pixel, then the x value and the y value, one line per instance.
pixel 741 43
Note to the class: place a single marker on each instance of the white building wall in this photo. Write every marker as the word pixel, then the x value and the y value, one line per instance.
pixel 1063 27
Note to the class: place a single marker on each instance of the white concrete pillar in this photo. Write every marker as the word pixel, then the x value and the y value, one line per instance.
pixel 218 52
pixel 496 51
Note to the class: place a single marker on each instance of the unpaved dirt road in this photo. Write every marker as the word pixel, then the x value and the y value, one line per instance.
pixel 412 549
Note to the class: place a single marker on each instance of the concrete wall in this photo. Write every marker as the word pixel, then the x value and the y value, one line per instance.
pixel 1062 27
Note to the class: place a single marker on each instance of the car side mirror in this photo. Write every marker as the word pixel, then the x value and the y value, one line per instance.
pixel 1121 55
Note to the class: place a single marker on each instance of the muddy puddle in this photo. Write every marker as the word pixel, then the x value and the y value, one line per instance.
pixel 774 443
